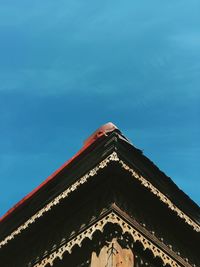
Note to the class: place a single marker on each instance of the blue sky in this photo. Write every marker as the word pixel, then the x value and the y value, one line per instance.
pixel 67 67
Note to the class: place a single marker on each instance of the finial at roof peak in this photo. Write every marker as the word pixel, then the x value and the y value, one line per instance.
pixel 103 130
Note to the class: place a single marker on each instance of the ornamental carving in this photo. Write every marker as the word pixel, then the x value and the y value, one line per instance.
pixel 111 158
pixel 125 228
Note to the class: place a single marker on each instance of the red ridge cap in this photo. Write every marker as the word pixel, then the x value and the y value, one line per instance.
pixel 102 131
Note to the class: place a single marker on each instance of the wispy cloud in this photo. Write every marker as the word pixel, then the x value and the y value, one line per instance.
pixel 187 40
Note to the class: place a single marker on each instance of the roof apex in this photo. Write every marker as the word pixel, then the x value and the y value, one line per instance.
pixel 103 130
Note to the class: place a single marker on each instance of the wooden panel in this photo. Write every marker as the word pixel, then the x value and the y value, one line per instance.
pixel 113 255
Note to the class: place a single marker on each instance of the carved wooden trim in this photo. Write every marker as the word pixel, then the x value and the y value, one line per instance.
pixel 126 227
pixel 63 195
pixel 112 157
pixel 160 195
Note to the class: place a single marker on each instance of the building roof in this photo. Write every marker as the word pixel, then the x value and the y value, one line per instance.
pixel 102 131
pixel 104 141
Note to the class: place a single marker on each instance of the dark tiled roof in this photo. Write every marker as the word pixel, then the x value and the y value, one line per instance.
pixel 94 150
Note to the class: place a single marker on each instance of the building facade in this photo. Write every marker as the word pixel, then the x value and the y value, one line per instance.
pixel 108 206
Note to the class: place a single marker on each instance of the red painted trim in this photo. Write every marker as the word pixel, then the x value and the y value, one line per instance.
pixel 102 131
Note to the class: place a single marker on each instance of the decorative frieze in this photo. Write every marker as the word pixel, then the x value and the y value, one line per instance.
pixel 111 218
pixel 113 157
pixel 63 195
pixel 160 195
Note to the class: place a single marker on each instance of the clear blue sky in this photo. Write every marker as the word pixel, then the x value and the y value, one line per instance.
pixel 69 66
